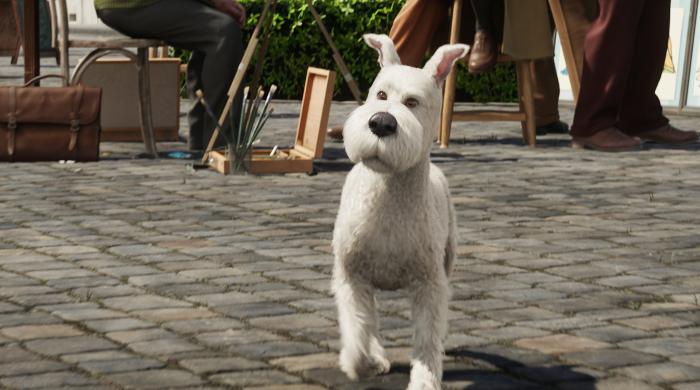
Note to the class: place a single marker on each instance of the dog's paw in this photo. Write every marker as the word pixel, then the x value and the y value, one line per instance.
pixel 380 363
pixel 421 386
pixel 349 363
pixel 356 366
pixel 422 378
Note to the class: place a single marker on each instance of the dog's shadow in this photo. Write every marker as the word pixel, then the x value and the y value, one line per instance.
pixel 485 369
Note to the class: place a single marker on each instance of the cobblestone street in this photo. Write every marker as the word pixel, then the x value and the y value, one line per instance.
pixel 577 270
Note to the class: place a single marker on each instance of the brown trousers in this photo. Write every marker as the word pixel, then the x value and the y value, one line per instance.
pixel 624 55
pixel 416 25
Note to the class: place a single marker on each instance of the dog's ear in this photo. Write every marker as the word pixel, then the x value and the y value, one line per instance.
pixel 385 47
pixel 441 62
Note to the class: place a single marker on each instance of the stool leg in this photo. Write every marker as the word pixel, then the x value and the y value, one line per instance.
pixel 448 102
pixel 145 103
pixel 527 103
pixel 448 99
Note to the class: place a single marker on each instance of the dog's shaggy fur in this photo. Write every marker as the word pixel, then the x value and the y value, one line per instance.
pixel 396 225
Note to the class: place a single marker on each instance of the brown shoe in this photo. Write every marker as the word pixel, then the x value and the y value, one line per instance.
pixel 483 54
pixel 335 133
pixel 670 135
pixel 608 140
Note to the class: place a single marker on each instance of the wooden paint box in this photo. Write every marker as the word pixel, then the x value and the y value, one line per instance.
pixel 310 135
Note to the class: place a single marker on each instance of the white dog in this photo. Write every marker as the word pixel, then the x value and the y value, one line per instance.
pixel 396 225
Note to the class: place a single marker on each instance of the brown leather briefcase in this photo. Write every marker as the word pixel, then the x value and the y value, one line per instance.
pixel 49 124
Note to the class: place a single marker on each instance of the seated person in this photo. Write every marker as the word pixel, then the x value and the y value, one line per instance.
pixel 527 34
pixel 483 53
pixel 211 29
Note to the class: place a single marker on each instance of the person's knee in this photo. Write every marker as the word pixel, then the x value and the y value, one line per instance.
pixel 229 33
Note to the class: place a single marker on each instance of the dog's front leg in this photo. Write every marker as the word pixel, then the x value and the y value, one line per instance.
pixel 357 320
pixel 430 321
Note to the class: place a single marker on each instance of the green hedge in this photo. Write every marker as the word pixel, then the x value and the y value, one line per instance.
pixel 296 43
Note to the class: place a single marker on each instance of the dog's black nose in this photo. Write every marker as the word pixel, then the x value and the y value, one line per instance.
pixel 382 124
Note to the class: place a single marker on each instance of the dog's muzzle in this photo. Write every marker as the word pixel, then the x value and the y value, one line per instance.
pixel 383 124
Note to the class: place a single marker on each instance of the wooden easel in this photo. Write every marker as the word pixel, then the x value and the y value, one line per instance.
pixel 264 25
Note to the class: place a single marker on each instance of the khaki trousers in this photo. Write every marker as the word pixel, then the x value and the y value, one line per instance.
pixel 415 26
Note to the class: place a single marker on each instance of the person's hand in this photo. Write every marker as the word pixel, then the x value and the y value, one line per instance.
pixel 231 8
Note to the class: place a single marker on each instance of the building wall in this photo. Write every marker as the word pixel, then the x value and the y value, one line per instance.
pixel 82 13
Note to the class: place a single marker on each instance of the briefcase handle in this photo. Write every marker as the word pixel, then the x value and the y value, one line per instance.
pixel 46 76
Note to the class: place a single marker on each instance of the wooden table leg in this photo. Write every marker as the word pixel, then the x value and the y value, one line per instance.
pixel 31 39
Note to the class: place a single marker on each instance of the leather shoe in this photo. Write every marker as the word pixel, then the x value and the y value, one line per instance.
pixel 670 135
pixel 608 140
pixel 483 55
pixel 335 133
pixel 556 127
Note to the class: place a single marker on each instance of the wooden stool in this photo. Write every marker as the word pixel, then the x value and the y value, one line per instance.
pixel 567 45
pixel 525 115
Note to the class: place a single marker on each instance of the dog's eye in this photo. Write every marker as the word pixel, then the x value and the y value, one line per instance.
pixel 381 95
pixel 411 102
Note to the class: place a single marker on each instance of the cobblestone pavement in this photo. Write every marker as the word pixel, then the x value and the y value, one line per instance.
pixel 576 270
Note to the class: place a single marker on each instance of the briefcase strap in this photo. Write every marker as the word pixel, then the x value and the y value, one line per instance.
pixel 11 121
pixel 75 119
pixel 46 76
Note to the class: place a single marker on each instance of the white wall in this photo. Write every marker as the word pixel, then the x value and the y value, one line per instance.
pixel 82 12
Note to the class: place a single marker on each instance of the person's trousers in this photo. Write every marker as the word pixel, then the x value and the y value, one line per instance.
pixel 214 39
pixel 624 55
pixel 413 33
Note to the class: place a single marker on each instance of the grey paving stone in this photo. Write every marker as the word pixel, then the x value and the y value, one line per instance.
pixel 117 324
pixel 291 322
pixel 203 325
pixel 30 332
pixel 87 314
pixel 141 302
pixel 609 384
pixel 30 367
pixel 120 365
pixel 137 335
pixel 664 346
pixel 661 372
pixel 97 356
pixel 69 345
pixel 692 360
pixel 509 333
pixel 163 347
pixel 254 378
pixel 610 358
pixel 612 333
pixel 220 364
pixel 307 362
pixel 56 379
pixel 686 386
pixel 13 353
pixel 174 314
pixel 155 379
pixel 274 349
pixel 654 323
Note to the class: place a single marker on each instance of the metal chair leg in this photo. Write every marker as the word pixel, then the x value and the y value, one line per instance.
pixel 145 111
